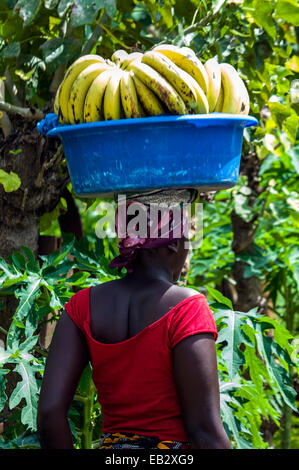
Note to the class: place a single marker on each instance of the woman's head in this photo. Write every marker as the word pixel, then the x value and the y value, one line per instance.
pixel 154 238
pixel 168 259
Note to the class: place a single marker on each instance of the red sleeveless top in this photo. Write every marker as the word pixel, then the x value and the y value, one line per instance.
pixel 133 378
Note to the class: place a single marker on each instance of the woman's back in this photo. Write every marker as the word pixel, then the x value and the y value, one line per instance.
pixel 120 309
pixel 131 332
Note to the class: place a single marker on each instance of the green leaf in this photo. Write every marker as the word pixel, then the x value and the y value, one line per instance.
pixel 27 296
pixel 11 50
pixel 294 154
pixel 256 369
pixel 278 374
pixel 280 112
pixel 262 13
pixel 85 12
pixel 50 4
pixel 31 264
pixel 18 260
pixel 110 7
pixel 215 294
pixel 63 6
pixel 11 181
pixel 10 271
pixel 233 334
pixel 27 9
pixel 57 51
pixel 4 355
pixel 290 126
pixel 241 207
pixel 24 441
pixel 59 255
pixel 28 345
pixel 3 396
pixel 26 389
pixel 231 422
pixel 288 11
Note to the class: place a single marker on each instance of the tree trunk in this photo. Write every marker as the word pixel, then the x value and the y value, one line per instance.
pixel 38 163
pixel 248 290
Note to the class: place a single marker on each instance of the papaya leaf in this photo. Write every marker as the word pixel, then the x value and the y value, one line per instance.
pixel 58 255
pixel 233 336
pixel 26 389
pixel 24 441
pixel 215 294
pixel 230 421
pixel 257 370
pixel 31 264
pixel 278 374
pixel 3 396
pixel 10 276
pixel 282 336
pixel 27 296
pixel 4 355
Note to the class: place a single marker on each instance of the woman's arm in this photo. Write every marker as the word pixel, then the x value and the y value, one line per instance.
pixel 196 378
pixel 66 361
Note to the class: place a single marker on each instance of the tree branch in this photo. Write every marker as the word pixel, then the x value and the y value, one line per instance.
pixel 200 24
pixel 11 88
pixel 31 114
pixel 47 165
pixel 5 123
pixel 114 37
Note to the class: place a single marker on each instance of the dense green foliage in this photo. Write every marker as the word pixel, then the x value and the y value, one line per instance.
pixel 257 354
pixel 252 385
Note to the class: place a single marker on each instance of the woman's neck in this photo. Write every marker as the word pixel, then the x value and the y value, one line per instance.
pixel 151 272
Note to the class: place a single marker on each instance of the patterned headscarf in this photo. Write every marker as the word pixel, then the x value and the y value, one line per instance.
pixel 161 230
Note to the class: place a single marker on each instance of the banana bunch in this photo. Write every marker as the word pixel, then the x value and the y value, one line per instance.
pixel 165 80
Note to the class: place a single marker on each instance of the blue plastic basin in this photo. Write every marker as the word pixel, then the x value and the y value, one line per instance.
pixel 199 151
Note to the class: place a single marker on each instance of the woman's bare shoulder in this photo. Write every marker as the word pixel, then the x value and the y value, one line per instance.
pixel 179 293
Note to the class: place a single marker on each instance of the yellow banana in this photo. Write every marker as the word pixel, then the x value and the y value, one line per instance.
pixel 130 58
pixel 232 89
pixel 79 90
pixel 112 108
pixel 201 105
pixel 172 74
pixel 245 105
pixel 160 86
pixel 149 101
pixel 56 100
pixel 118 56
pixel 69 78
pixel 219 103
pixel 129 97
pixel 214 73
pixel 186 59
pixel 187 50
pixel 94 97
pixel 169 47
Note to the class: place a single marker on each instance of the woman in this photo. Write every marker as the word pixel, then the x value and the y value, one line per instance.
pixel 151 345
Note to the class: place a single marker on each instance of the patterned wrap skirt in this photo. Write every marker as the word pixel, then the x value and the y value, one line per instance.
pixel 118 440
